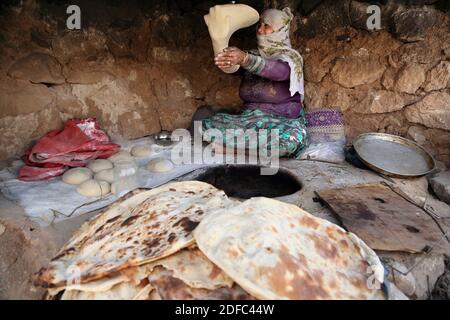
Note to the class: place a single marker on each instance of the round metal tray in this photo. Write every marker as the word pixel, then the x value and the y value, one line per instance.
pixel 393 155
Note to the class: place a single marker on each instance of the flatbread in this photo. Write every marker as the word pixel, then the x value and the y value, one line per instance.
pixel 276 250
pixel 121 291
pixel 169 287
pixel 189 266
pixel 133 275
pixel 195 270
pixel 100 285
pixel 138 229
pixel 126 285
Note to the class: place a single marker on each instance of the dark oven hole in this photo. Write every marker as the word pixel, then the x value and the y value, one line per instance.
pixel 246 181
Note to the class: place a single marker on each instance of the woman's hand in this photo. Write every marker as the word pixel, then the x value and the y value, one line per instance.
pixel 230 56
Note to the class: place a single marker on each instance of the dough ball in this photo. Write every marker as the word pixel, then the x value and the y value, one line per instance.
pixel 94 188
pixel 105 175
pixel 77 175
pixel 160 165
pixel 141 151
pixel 119 156
pixel 99 165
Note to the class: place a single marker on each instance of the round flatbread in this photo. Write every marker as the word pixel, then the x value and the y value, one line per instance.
pixel 276 250
pixel 137 229
pixel 170 287
pixel 189 266
pixel 120 291
pixel 195 270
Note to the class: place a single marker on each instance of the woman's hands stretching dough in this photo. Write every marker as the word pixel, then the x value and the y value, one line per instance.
pixel 230 56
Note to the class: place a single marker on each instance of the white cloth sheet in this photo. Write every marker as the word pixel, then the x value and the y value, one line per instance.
pixel 52 200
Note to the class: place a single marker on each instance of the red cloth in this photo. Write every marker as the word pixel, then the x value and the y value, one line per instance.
pixel 79 142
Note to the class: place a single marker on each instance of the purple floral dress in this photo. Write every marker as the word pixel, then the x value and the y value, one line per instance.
pixel 267 89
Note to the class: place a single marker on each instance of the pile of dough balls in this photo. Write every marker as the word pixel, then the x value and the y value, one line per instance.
pixel 94 180
pixel 97 178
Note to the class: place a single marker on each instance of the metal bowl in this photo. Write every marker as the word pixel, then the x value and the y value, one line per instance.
pixel 393 156
pixel 163 139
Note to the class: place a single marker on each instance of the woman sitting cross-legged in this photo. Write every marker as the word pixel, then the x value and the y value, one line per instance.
pixel 272 87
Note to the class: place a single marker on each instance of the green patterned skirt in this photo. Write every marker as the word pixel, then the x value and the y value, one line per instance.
pixel 291 134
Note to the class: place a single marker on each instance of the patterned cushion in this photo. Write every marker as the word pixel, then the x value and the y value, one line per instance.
pixel 326 134
pixel 325 125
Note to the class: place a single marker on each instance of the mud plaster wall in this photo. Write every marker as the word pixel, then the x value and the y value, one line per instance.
pixel 140 67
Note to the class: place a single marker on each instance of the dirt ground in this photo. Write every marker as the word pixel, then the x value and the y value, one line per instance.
pixel 442 289
pixel 26 247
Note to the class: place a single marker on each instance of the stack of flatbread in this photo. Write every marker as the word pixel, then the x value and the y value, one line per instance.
pixel 188 240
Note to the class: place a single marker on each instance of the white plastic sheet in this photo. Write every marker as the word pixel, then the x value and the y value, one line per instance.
pixel 52 200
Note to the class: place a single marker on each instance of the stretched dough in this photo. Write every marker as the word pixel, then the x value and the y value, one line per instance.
pixel 77 175
pixel 160 165
pixel 105 175
pixel 119 156
pixel 141 151
pixel 94 188
pixel 224 20
pixel 99 165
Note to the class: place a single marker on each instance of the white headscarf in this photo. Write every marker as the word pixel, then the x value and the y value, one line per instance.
pixel 278 45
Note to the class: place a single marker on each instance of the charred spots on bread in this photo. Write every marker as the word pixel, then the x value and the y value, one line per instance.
pixel 128 221
pixel 64 253
pixel 155 226
pixel 151 243
pixel 325 249
pixel 172 237
pixel 99 229
pixel 127 234
pixel 309 222
pixel 113 219
pixel 187 224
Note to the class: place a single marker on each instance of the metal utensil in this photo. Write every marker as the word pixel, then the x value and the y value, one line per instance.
pixel 164 139
pixel 393 156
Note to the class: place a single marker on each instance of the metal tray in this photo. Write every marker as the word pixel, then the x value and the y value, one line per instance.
pixel 393 155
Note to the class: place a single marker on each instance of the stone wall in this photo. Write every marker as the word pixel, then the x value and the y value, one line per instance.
pixel 140 67
pixel 396 80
